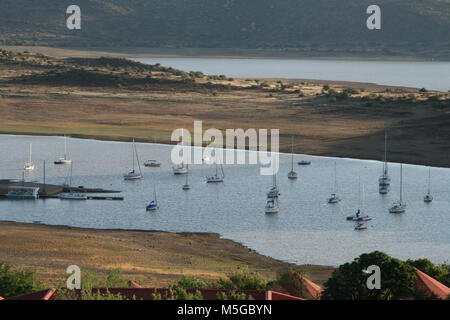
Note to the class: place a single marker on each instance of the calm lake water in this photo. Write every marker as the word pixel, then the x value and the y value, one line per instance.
pixel 307 229
pixel 432 75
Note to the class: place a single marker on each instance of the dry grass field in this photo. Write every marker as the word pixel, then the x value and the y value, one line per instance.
pixel 155 259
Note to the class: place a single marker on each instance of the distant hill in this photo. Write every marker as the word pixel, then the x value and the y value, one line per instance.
pixel 312 27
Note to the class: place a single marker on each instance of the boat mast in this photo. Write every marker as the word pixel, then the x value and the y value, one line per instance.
pixel 31 150
pixel 65 147
pixel 401 182
pixel 335 178
pixel 363 210
pixel 70 180
pixel 385 154
pixel 133 154
pixel 137 159
pixel 429 180
pixel 292 153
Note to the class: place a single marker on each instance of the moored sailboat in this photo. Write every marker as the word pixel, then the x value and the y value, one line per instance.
pixel 428 198
pixel 64 160
pixel 133 175
pixel 29 166
pixel 334 198
pixel 292 174
pixel 153 205
pixel 384 181
pixel 399 206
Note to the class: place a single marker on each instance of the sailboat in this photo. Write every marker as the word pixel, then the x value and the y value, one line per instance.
pixel 360 215
pixel 292 174
pixel 153 205
pixel 216 178
pixel 71 195
pixel 272 206
pixel 334 197
pixel 384 181
pixel 399 206
pixel 274 191
pixel 29 166
pixel 186 185
pixel 428 198
pixel 180 169
pixel 133 175
pixel 64 160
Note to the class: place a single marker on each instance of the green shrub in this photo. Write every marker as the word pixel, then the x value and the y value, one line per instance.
pixel 14 282
pixel 188 282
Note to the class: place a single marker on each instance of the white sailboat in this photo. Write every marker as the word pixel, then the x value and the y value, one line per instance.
pixel 29 166
pixel 274 191
pixel 272 206
pixel 384 181
pixel 186 185
pixel 334 197
pixel 292 174
pixel 181 168
pixel 399 206
pixel 64 160
pixel 360 215
pixel 133 175
pixel 153 205
pixel 428 198
pixel 216 178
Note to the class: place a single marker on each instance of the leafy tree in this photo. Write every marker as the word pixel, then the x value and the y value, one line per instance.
pixel 16 282
pixel 349 282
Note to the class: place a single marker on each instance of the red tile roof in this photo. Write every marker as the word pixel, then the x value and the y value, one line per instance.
pixel 273 295
pixel 134 284
pixel 314 290
pixel 47 294
pixel 430 286
pixel 164 293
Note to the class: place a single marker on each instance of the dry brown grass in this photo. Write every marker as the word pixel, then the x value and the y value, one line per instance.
pixel 156 259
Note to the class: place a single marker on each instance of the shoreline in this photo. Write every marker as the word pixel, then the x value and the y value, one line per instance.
pixel 156 258
pixel 203 53
pixel 170 143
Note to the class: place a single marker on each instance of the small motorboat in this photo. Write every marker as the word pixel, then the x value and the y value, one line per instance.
pixel 72 196
pixel 152 163
pixel 272 206
pixel 304 163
